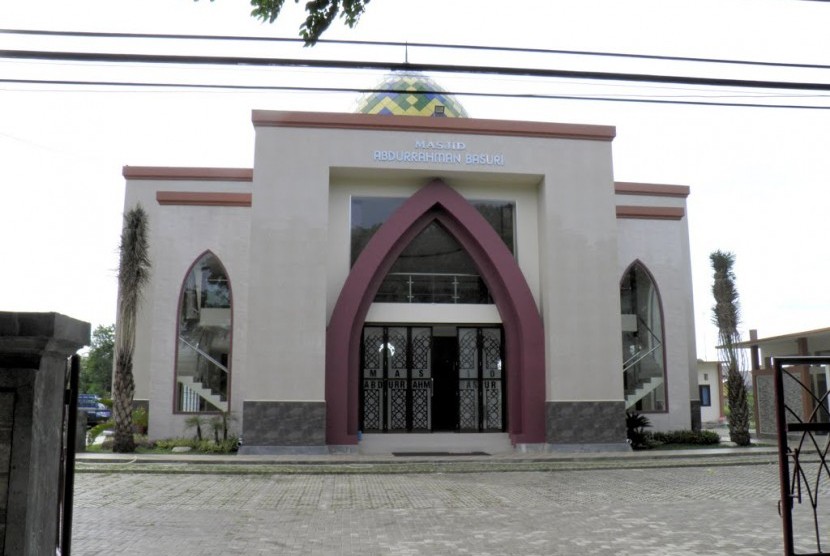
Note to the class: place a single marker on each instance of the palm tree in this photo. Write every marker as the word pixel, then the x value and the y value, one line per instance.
pixel 726 316
pixel 195 421
pixel 133 274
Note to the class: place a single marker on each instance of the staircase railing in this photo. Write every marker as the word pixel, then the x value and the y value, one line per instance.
pixel 203 353
pixel 210 379
pixel 631 365
pixel 639 356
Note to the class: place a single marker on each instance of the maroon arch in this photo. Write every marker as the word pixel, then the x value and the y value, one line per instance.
pixel 523 331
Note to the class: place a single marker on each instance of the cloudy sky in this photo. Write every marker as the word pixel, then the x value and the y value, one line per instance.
pixel 758 176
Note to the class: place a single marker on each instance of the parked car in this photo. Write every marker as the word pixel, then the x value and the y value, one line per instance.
pixel 96 412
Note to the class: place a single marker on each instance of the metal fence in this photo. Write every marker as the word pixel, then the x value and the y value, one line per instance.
pixel 803 423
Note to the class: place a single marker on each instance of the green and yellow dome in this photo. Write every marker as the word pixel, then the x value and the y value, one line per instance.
pixel 410 94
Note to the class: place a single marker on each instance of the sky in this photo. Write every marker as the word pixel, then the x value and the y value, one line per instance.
pixel 758 176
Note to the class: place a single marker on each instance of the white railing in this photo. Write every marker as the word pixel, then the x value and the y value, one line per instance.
pixel 206 382
pixel 433 287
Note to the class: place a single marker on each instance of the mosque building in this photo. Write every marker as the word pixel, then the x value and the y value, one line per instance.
pixel 380 283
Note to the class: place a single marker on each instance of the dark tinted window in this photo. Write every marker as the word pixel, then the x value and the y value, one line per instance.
pixel 369 213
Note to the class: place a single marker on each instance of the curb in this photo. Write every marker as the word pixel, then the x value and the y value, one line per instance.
pixel 357 464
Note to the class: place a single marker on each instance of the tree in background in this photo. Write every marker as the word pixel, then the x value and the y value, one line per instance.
pixel 96 366
pixel 133 274
pixel 321 14
pixel 726 316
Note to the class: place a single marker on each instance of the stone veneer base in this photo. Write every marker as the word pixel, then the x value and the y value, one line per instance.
pixel 277 424
pixel 585 423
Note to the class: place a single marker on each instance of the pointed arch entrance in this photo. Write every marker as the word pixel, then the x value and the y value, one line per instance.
pixel 524 339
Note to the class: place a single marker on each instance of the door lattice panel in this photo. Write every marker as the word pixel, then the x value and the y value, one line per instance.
pixel 371 407
pixel 397 349
pixel 421 405
pixel 467 352
pixel 372 379
pixel 492 405
pixel 421 348
pixel 397 404
pixel 372 353
pixel 491 352
pixel 468 405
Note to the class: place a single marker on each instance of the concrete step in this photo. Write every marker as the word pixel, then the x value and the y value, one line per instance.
pixel 439 442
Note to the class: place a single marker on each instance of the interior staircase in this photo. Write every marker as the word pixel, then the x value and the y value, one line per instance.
pixel 643 389
pixel 190 368
pixel 642 376
pixel 200 390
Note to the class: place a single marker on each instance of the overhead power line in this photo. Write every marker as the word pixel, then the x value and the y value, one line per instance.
pixel 307 89
pixel 487 48
pixel 396 66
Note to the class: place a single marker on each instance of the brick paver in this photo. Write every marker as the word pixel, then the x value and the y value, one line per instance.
pixel 728 510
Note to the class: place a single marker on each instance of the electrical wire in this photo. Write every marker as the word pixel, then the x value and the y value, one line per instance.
pixel 359 90
pixel 486 48
pixel 124 58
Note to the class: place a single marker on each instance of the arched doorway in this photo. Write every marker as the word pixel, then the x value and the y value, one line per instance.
pixel 523 333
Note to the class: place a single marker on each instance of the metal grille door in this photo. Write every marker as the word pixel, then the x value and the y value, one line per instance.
pixel 396 374
pixel 480 379
pixel 803 422
pixel 412 382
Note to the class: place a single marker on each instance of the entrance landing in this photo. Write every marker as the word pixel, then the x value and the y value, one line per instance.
pixel 452 443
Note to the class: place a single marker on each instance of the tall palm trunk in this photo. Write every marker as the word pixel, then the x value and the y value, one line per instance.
pixel 726 315
pixel 133 273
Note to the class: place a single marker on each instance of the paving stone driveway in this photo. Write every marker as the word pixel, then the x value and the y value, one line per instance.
pixel 729 510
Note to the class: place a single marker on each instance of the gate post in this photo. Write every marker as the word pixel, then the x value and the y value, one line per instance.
pixel 33 352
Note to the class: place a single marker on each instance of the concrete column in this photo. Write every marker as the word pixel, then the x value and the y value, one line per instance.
pixel 33 352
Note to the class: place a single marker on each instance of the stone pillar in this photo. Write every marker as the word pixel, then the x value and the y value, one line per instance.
pixel 33 352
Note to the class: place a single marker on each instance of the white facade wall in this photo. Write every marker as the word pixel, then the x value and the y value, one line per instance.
pixel 178 236
pixel 661 245
pixel 570 256
pixel 288 256
pixel 578 246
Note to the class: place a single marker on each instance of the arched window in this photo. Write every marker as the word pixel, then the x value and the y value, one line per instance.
pixel 642 340
pixel 204 338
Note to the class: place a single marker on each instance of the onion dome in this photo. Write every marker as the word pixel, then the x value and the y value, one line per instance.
pixel 410 94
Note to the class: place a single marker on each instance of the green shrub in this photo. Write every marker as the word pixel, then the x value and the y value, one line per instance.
pixel 196 422
pixel 202 446
pixel 141 441
pixel 701 438
pixel 170 443
pixel 635 425
pixel 140 420
pixel 222 447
